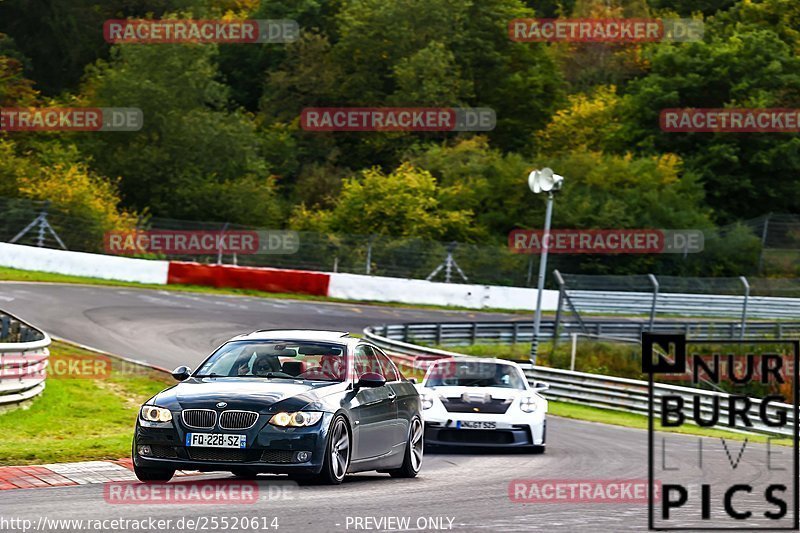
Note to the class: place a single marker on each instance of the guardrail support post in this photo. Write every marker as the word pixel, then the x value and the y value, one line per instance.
pixel 438 334
pixel 561 284
pixel 654 282
pixel 474 334
pixel 574 351
pixel 744 305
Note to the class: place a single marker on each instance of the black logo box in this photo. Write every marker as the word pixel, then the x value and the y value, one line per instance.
pixel 678 366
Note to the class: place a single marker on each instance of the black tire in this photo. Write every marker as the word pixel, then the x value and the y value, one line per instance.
pixel 337 453
pixel 244 473
pixel 150 475
pixel 412 459
pixel 538 449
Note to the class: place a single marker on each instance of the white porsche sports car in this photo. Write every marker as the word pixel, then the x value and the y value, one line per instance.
pixel 482 402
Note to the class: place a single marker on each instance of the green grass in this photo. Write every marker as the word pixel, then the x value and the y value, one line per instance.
pixel 12 274
pixel 78 419
pixel 633 420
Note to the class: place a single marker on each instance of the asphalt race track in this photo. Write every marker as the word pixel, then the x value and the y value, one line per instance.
pixel 170 328
pixel 462 491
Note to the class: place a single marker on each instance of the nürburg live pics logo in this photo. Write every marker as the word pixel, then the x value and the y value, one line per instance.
pixel 743 474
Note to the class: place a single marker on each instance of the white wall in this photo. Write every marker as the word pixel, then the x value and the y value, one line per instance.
pixel 83 264
pixel 380 289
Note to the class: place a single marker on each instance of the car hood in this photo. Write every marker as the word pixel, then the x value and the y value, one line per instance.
pixel 252 394
pixel 497 393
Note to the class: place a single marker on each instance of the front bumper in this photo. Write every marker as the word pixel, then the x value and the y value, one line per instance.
pixel 517 436
pixel 269 449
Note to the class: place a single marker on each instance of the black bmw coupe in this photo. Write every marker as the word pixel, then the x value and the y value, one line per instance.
pixel 311 404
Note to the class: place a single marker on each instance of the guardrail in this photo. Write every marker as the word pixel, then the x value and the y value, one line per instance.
pixel 619 302
pixel 604 392
pixel 650 294
pixel 458 334
pixel 24 352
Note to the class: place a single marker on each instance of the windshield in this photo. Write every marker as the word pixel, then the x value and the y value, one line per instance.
pixel 474 374
pixel 270 359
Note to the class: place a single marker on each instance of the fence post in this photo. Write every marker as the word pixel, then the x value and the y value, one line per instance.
pixel 516 334
pixel 474 332
pixel 219 250
pixel 574 351
pixel 439 334
pixel 369 255
pixel 654 282
pixel 560 281
pixel 744 305
pixel 763 244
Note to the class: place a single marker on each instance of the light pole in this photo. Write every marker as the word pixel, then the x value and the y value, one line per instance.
pixel 542 181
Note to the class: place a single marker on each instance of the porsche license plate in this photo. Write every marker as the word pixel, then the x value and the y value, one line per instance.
pixel 216 440
pixel 466 424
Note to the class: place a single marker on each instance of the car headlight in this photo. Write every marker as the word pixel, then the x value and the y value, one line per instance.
pixel 151 413
pixel 427 401
pixel 528 404
pixel 297 419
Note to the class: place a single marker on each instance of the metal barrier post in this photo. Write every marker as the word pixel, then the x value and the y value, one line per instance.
pixel 654 281
pixel 369 255
pixel 744 305
pixel 560 281
pixel 763 244
pixel 574 351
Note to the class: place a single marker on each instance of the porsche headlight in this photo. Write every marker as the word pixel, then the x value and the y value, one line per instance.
pixel 151 413
pixel 427 401
pixel 297 419
pixel 528 404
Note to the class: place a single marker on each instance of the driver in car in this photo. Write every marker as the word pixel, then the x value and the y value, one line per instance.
pixel 263 364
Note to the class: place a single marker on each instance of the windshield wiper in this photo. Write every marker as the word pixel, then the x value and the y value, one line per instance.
pixel 270 375
pixel 211 375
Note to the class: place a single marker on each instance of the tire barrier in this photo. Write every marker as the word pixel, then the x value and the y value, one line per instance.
pixel 24 353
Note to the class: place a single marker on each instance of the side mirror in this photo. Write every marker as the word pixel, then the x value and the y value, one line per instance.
pixel 540 386
pixel 370 380
pixel 182 373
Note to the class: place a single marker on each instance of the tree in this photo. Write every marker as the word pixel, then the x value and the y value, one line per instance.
pixel 753 69
pixel 191 146
pixel 404 203
pixel 588 122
